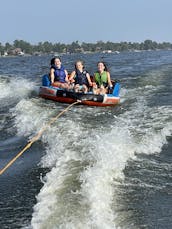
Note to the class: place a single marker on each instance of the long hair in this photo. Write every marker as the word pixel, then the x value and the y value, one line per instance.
pixel 102 62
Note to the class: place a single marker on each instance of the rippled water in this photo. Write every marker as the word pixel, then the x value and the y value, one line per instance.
pixel 95 167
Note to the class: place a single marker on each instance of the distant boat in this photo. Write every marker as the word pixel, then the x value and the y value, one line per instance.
pixel 20 53
pixel 107 51
pixel 117 52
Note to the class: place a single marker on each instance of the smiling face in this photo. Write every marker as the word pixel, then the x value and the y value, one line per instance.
pixel 100 67
pixel 57 62
pixel 79 66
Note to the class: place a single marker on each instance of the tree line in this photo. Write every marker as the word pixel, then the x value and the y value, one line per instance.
pixel 76 47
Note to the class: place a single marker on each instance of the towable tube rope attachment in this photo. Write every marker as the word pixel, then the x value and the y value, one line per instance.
pixel 36 137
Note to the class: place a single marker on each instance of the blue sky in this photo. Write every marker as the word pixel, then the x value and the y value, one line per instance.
pixel 66 21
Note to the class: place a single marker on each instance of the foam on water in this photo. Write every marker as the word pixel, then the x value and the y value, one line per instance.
pixel 78 192
pixel 81 170
pixel 15 87
pixel 93 185
pixel 85 163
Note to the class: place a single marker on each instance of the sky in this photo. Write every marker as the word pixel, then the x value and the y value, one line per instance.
pixel 67 21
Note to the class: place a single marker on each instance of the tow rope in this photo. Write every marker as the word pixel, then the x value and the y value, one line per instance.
pixel 36 137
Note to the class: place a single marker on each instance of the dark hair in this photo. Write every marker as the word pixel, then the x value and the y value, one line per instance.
pixel 53 60
pixel 102 62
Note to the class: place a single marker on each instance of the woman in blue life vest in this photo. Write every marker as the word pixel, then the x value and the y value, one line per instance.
pixel 80 77
pixel 58 74
pixel 102 79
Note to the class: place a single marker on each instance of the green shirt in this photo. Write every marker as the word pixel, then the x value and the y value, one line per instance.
pixel 101 79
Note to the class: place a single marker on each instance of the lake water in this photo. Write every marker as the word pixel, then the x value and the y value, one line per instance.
pixel 95 168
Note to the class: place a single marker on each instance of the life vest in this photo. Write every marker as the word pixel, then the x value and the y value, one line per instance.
pixel 81 78
pixel 101 79
pixel 59 74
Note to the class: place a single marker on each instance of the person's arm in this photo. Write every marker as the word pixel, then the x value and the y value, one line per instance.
pixel 94 82
pixel 66 78
pixel 71 77
pixel 89 79
pixel 52 75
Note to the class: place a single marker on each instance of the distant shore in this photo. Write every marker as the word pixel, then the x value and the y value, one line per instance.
pixel 21 48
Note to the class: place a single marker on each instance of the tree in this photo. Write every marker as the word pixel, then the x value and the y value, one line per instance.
pixel 8 46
